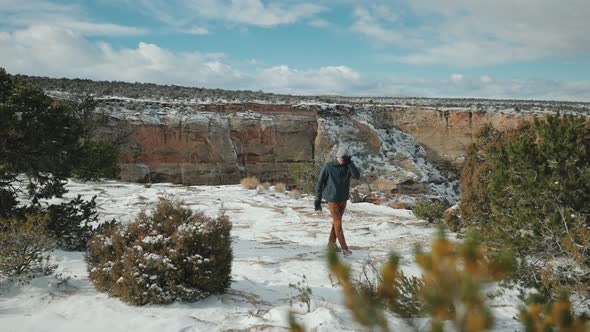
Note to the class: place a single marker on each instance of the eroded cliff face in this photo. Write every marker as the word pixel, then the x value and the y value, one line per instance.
pixel 404 147
pixel 221 144
pixel 447 134
pixel 216 145
pixel 405 151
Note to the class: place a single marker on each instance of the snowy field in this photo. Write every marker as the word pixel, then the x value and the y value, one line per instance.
pixel 276 240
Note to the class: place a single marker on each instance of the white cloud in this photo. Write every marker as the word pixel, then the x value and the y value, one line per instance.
pixel 466 53
pixel 59 52
pixel 101 29
pixel 325 80
pixel 456 77
pixel 319 23
pixel 369 22
pixel 22 14
pixel 255 12
pixel 248 12
pixel 198 31
pixel 474 33
pixel 485 79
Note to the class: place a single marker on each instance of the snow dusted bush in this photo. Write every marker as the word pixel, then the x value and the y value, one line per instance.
pixel 172 254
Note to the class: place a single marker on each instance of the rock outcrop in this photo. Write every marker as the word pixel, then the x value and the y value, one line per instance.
pixel 404 146
pixel 447 134
pixel 216 146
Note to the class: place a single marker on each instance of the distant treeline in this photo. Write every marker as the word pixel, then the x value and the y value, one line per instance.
pixel 180 93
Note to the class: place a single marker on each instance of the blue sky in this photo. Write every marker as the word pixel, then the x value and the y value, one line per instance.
pixel 526 49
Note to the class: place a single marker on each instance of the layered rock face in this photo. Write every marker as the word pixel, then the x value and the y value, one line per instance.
pixel 216 145
pixel 221 144
pixel 447 134
pixel 403 146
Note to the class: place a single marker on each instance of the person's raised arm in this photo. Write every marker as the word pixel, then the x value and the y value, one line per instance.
pixel 354 172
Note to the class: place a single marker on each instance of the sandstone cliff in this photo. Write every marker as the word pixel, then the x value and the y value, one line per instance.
pixel 216 145
pixel 403 146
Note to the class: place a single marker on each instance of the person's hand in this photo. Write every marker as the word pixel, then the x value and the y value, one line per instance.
pixel 318 205
pixel 347 160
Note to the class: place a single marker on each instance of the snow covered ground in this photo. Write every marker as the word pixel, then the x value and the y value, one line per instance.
pixel 276 240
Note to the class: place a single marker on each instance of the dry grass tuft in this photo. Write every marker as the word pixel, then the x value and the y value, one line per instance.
pixel 250 182
pixel 295 193
pixel 280 187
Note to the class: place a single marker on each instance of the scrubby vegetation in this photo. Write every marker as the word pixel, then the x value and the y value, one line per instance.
pixel 453 220
pixel 295 193
pixel 529 189
pixel 304 292
pixel 408 304
pixel 47 141
pixel 168 255
pixel 305 176
pixel 280 187
pixel 429 211
pixel 24 247
pixel 73 223
pixel 250 182
pixel 174 92
pixel 454 275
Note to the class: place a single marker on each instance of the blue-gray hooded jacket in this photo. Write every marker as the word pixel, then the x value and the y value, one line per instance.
pixel 334 181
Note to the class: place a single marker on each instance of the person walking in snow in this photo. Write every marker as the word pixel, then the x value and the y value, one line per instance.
pixel 334 184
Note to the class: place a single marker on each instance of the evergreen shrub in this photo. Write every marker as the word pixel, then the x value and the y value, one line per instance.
pixel 25 245
pixel 429 211
pixel 71 223
pixel 305 176
pixel 529 189
pixel 450 292
pixel 171 254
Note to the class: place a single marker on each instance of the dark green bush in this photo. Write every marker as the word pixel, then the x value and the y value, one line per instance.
pixel 305 176
pixel 429 211
pixel 48 141
pixel 71 223
pixel 99 159
pixel 172 254
pixel 529 189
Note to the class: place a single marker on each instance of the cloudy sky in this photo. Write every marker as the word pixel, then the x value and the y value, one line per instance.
pixel 525 49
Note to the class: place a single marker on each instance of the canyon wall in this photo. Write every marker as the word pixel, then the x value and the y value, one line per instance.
pixel 220 144
pixel 217 144
pixel 447 134
pixel 403 146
